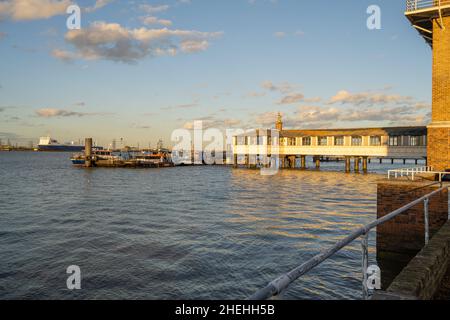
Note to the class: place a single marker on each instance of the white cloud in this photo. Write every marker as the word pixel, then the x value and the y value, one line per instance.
pixel 194 46
pixel 64 55
pixel 54 113
pixel 284 87
pixel 32 9
pixel 152 9
pixel 292 98
pixel 111 41
pixel 213 122
pixel 150 20
pixel 367 98
pixel 98 5
pixel 290 94
pixel 319 117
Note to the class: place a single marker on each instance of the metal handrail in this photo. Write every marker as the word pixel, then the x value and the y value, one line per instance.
pixel 407 171
pixel 413 5
pixel 280 284
pixel 413 172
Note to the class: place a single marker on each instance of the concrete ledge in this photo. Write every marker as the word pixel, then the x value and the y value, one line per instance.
pixel 384 295
pixel 422 277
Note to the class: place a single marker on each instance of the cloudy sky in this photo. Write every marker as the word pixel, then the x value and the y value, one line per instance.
pixel 140 69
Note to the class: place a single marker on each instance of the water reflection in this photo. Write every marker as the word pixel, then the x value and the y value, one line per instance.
pixel 177 233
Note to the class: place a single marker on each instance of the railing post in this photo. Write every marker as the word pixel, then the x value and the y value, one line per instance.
pixel 426 222
pixel 365 262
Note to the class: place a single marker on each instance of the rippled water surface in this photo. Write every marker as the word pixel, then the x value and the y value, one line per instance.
pixel 177 233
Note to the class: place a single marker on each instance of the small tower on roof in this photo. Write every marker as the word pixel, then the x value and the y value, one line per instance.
pixel 279 123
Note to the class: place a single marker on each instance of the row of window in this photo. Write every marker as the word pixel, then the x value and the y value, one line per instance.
pixel 338 141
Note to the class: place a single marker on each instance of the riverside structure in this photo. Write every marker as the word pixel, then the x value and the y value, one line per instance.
pixel 361 145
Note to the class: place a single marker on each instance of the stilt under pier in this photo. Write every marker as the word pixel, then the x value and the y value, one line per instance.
pixel 356 164
pixel 365 164
pixel 317 159
pixel 347 164
pixel 303 162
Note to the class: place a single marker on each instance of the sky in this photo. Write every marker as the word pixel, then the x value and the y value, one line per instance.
pixel 138 70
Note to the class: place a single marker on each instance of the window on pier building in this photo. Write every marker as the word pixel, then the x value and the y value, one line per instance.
pixel 273 141
pixel 260 140
pixel 375 141
pixel 414 141
pixel 394 141
pixel 356 141
pixel 322 141
pixel 339 141
pixel 306 141
pixel 291 141
pixel 241 141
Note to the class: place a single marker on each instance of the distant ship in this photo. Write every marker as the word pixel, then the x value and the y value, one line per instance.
pixel 49 144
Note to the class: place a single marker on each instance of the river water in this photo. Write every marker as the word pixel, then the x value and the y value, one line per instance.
pixel 176 233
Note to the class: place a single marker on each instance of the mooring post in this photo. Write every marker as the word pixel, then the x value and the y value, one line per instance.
pixel 88 152
pixel 235 160
pixel 318 162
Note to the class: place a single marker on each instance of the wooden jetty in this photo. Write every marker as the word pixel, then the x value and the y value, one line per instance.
pixel 106 158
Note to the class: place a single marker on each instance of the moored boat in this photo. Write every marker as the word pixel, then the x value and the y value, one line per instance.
pixel 49 144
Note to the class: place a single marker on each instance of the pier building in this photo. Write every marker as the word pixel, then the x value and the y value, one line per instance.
pixel 357 145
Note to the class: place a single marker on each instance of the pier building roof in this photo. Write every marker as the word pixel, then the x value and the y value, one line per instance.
pixel 383 131
pixel 388 131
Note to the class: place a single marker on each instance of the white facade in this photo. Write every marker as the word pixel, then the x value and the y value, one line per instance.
pixel 377 146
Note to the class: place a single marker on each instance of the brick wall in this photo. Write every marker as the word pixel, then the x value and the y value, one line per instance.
pixel 439 129
pixel 441 71
pixel 423 276
pixel 406 232
pixel 438 149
